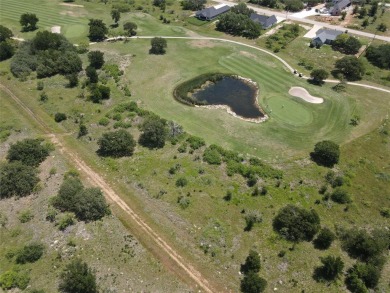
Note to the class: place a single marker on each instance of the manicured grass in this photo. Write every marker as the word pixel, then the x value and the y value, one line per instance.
pixel 195 21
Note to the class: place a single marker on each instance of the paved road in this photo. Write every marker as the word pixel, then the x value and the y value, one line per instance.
pixel 286 15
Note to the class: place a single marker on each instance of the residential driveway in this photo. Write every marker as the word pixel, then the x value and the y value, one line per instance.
pixel 305 13
pixel 312 33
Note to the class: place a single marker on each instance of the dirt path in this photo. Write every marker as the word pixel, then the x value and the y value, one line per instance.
pixel 97 180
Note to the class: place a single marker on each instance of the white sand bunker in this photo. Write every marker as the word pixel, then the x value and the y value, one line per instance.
pixel 302 93
pixel 56 29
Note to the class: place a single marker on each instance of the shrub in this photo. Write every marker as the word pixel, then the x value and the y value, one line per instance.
pixel 154 133
pixel 96 59
pixel 212 156
pixel 369 274
pixel 326 153
pixel 324 239
pixel 252 283
pixel 252 263
pixel 40 85
pixel 361 245
pixel 87 204
pixel 17 179
pixel 183 201
pixel 65 221
pixel 181 182
pixel 25 216
pixel 29 253
pixel 78 278
pixel 58 117
pixel 331 268
pixel 296 224
pixel 196 142
pixel 14 278
pixel 340 196
pixel 116 144
pixel 104 121
pixel 251 218
pixel 30 152
pixel 158 46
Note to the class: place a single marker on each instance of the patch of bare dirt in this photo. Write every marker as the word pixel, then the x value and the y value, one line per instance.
pixel 202 44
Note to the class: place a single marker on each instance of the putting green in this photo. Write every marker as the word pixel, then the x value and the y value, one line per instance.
pixel 74 30
pixel 288 111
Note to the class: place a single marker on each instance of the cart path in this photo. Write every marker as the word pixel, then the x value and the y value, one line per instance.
pixel 112 196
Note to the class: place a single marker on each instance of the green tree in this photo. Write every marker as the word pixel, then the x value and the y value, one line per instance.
pixel 115 15
pixel 92 75
pixel 5 33
pixel 29 253
pixel 28 21
pixel 97 30
pixel 379 56
pixel 362 12
pixel 365 23
pixel 324 239
pixel 96 59
pixel 363 275
pixel 17 179
pixel 118 143
pixel 293 5
pixel 318 75
pixel 130 28
pixel 252 283
pixel 78 278
pixel 154 133
pixel 7 50
pixel 340 195
pixel 28 151
pixel 352 46
pixel 242 8
pixel 14 278
pixel 73 79
pixel 59 117
pixel 296 224
pixel 69 63
pixel 83 130
pixel 193 4
pixel 374 8
pixel 382 27
pixel 331 268
pixel 252 263
pixel 326 153
pixel 158 46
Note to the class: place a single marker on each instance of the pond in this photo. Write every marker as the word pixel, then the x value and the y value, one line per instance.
pixel 238 94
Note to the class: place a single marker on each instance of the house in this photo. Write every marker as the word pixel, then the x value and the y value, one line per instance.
pixel 324 36
pixel 265 21
pixel 339 6
pixel 212 12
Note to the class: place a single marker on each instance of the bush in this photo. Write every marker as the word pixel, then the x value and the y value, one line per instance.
pixel 154 133
pixel 340 196
pixel 212 156
pixel 78 278
pixel 96 59
pixel 14 278
pixel 196 142
pixel 158 46
pixel 252 283
pixel 25 216
pixel 368 274
pixel 183 201
pixel 65 221
pixel 118 143
pixel 361 245
pixel 29 253
pixel 181 182
pixel 87 204
pixel 251 218
pixel 296 224
pixel 331 268
pixel 17 179
pixel 58 117
pixel 326 153
pixel 104 121
pixel 252 263
pixel 324 239
pixel 30 152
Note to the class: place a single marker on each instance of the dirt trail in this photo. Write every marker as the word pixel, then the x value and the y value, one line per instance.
pixel 110 194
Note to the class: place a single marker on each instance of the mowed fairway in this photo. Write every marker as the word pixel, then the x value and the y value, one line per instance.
pixel 294 125
pixel 73 20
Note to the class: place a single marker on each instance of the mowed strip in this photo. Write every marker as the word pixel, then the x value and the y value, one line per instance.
pixel 49 16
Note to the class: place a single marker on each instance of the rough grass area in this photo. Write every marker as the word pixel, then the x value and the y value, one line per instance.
pixel 120 261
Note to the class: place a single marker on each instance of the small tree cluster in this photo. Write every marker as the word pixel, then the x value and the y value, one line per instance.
pixel 252 282
pixel 324 239
pixel 29 253
pixel 97 30
pixel 351 67
pixel 326 153
pixel 88 204
pixel 330 270
pixel 158 46
pixel 296 224
pixel 78 278
pixel 346 44
pixel 118 143
pixel 7 49
pixel 130 28
pixel 28 21
pixel 154 132
pixel 238 24
pixel 319 75
pixel 29 151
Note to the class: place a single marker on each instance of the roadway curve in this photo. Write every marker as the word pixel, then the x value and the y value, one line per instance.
pixel 284 62
pixel 285 15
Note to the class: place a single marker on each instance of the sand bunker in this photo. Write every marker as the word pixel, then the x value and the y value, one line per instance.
pixel 302 93
pixel 56 29
pixel 71 5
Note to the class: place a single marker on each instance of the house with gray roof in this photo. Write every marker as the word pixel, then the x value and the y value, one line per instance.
pixel 265 21
pixel 339 6
pixel 212 12
pixel 325 36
